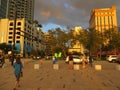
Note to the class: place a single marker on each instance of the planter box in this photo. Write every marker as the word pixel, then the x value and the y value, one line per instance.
pixel 118 67
pixel 76 67
pixel 36 66
pixel 56 66
pixel 98 67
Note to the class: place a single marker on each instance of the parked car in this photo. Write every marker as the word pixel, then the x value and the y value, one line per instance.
pixel 112 58
pixel 36 57
pixel 48 57
pixel 76 59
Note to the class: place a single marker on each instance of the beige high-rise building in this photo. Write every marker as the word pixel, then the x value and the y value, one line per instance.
pixel 48 49
pixel 103 19
pixel 24 39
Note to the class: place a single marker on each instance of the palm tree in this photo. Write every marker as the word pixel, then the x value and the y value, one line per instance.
pixel 35 22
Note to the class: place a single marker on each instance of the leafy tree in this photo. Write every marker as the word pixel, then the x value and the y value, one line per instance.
pixel 112 38
pixel 114 43
pixel 5 47
pixel 60 40
pixel 91 39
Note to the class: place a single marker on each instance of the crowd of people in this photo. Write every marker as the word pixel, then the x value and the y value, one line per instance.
pixel 85 60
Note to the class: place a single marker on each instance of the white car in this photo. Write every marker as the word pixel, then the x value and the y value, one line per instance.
pixel 112 58
pixel 76 59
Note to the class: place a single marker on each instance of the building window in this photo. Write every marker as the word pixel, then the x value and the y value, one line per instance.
pixel 9 41
pixel 18 28
pixel 10 32
pixel 10 28
pixel 19 23
pixel 18 33
pixel 17 41
pixel 11 23
pixel 10 37
pixel 18 36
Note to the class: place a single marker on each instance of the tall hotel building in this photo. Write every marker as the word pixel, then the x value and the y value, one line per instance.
pixel 25 9
pixel 103 19
pixel 3 8
pixel 25 14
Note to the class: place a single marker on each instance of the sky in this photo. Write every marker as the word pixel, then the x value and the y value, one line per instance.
pixel 69 13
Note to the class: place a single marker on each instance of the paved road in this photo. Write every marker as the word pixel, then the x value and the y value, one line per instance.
pixel 46 78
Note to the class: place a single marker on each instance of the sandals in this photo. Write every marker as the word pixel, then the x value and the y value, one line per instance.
pixel 18 85
pixel 14 89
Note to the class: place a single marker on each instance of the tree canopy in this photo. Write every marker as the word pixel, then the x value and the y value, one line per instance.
pixel 93 40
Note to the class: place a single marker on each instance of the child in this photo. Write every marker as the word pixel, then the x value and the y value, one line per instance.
pixel 17 71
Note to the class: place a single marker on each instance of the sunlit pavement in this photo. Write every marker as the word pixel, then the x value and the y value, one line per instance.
pixel 46 78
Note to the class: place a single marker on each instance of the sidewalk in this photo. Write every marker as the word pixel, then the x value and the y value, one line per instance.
pixel 46 78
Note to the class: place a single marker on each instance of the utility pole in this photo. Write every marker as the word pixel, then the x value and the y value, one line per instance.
pixel 14 30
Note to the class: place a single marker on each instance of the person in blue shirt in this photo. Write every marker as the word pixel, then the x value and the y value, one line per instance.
pixel 17 71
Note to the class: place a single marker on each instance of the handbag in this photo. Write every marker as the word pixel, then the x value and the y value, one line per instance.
pixel 21 74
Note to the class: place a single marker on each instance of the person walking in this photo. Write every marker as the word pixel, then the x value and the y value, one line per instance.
pixel 2 61
pixel 17 71
pixel 90 61
pixel 11 59
pixel 83 61
pixel 70 61
pixel 55 58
